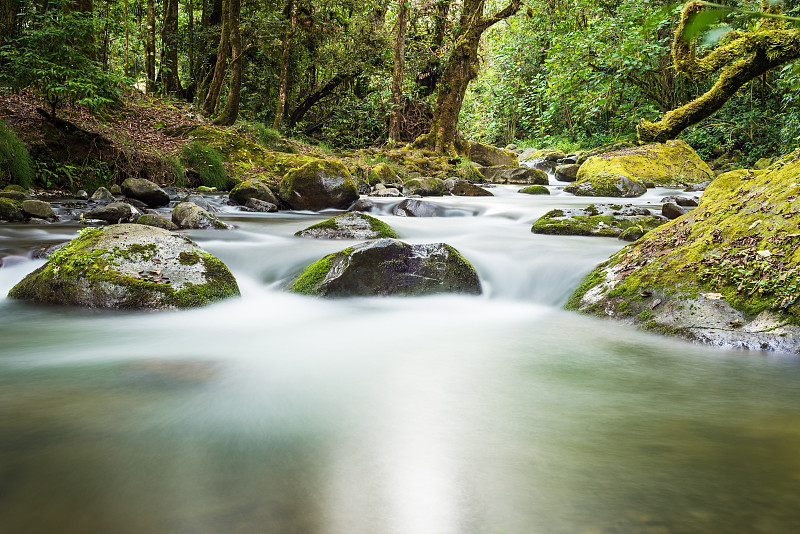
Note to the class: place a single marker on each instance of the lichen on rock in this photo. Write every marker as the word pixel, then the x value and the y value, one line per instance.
pixel 128 266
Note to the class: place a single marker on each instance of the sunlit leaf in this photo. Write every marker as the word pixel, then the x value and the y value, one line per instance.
pixel 701 21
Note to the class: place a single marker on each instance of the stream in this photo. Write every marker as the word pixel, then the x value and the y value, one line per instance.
pixel 277 413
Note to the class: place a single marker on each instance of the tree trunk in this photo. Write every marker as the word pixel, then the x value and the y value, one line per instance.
pixel 215 87
pixel 461 68
pixel 150 54
pixel 396 121
pixel 231 111
pixel 170 81
pixel 9 9
pixel 743 57
pixel 302 108
pixel 285 65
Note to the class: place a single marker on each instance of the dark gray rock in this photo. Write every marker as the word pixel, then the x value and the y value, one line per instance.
pixel 463 188
pixel 424 187
pixel 515 175
pixel 261 206
pixel 489 156
pixel 350 225
pixel 201 201
pixel 113 213
pixel 363 204
pixel 248 189
pixel 673 211
pixel 145 191
pixel 686 202
pixel 319 185
pixel 412 207
pixel 191 216
pixel 567 173
pixel 389 267
pixel 101 194
pixel 153 219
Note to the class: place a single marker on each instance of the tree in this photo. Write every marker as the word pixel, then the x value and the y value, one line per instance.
pixel 287 44
pixel 461 68
pixel 215 87
pixel 170 81
pixel 742 57
pixel 150 49
pixel 395 123
pixel 231 111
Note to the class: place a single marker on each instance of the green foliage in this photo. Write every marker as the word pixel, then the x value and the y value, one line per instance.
pixel 55 56
pixel 16 166
pixel 355 123
pixel 88 175
pixel 178 171
pixel 207 162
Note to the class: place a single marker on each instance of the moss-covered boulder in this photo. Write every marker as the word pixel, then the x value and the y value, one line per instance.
pixel 318 185
pixel 604 220
pixel 604 149
pixel 424 186
pixel 726 273
pixel 607 185
pixel 129 266
pixel 463 188
pixel 153 219
pixel 534 190
pixel 350 225
pixel 248 189
pixel 11 210
pixel 145 191
pixel 101 194
pixel 19 196
pixel 38 208
pixel 489 156
pixel 670 163
pixel 191 216
pixel 515 175
pixel 389 267
pixel 382 174
pixel 246 159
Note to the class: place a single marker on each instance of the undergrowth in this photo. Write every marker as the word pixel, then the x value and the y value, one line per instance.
pixel 16 166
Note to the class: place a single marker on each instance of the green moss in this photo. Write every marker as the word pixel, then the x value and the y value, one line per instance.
pixel 535 190
pixel 556 223
pixel 220 284
pixel 312 276
pixel 645 316
pixel 623 306
pixel 594 278
pixel 188 258
pixel 381 229
pixel 16 165
pixel 207 162
pixel 10 210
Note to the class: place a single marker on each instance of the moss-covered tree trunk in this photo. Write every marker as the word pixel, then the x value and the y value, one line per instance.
pixel 741 58
pixel 231 111
pixel 215 87
pixel 396 121
pixel 461 68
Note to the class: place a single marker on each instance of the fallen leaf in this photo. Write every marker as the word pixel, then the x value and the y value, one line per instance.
pixel 645 294
pixel 713 296
pixel 655 303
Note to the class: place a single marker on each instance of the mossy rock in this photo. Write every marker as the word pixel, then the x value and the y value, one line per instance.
pixel 246 159
pixel 389 267
pixel 501 174
pixel 424 186
pixel 542 154
pixel 15 188
pixel 670 163
pixel 488 156
pixel 464 188
pixel 604 149
pixel 727 273
pixel 607 185
pixel 382 174
pixel 318 185
pixel 350 225
pixel 153 219
pixel 603 220
pixel 146 191
pixel 13 195
pixel 535 190
pixel 191 216
pixel 129 266
pixel 11 210
pixel 38 208
pixel 248 189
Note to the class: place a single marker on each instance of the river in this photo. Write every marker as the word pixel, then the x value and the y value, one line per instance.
pixel 277 413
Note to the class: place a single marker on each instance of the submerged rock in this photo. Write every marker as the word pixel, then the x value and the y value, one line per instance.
pixel 389 267
pixel 605 220
pixel 191 216
pixel 129 266
pixel 145 191
pixel 726 273
pixel 535 190
pixel 318 185
pixel 350 225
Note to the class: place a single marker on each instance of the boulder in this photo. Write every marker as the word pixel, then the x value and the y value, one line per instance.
pixel 604 220
pixel 387 192
pixel 80 194
pixel 424 187
pixel 350 225
pixel 363 204
pixel 145 191
pixel 604 149
pixel 489 156
pixel 260 206
pixel 725 273
pixel 535 190
pixel 389 267
pixel 567 173
pixel 515 175
pixel 14 195
pixel 191 216
pixel 38 208
pixel 201 201
pixel 463 188
pixel 607 185
pixel 542 154
pixel 129 266
pixel 686 202
pixel 632 233
pixel 101 194
pixel 116 189
pixel 670 163
pixel 113 213
pixel 411 207
pixel 318 185
pixel 153 219
pixel 382 174
pixel 248 189
pixel 671 210
pixel 11 210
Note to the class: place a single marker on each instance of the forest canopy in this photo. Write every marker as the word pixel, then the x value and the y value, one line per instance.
pixel 570 72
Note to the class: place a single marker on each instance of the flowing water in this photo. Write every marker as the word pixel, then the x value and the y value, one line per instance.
pixel 276 413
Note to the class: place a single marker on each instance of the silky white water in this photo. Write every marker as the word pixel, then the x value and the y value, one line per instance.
pixel 276 413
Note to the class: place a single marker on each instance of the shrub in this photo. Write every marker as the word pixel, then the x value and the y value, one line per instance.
pixel 16 166
pixel 207 162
